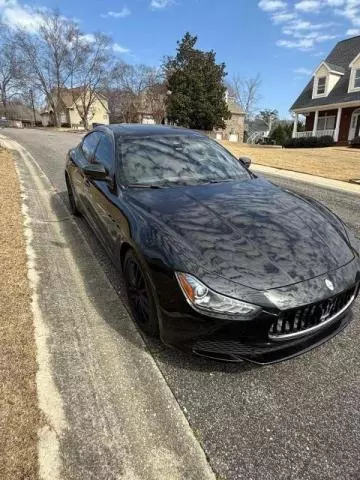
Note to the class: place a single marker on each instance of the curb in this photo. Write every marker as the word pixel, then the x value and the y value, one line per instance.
pixel 328 183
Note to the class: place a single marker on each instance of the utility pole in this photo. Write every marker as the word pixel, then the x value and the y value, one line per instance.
pixel 32 105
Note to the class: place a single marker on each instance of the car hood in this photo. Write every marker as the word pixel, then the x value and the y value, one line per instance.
pixel 251 232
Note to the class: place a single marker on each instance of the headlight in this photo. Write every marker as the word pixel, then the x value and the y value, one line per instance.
pixel 208 302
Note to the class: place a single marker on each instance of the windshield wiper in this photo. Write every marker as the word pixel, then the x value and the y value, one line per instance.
pixel 221 181
pixel 142 185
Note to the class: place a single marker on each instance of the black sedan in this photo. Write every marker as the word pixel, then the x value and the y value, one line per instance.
pixel 216 260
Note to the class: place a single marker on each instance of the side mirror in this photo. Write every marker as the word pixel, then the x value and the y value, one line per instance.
pixel 246 161
pixel 96 171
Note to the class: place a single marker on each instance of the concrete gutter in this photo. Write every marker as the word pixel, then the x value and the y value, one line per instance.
pixel 306 178
pixel 109 412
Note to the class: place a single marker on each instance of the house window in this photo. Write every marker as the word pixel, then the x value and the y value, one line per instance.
pixel 321 86
pixel 357 78
pixel 326 123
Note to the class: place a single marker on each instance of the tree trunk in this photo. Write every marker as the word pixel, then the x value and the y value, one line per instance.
pixel 5 104
pixel 57 119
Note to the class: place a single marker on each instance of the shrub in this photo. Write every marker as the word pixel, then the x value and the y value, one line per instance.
pixel 355 142
pixel 280 134
pixel 310 142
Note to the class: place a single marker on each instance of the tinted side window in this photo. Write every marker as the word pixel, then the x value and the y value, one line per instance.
pixel 89 145
pixel 104 153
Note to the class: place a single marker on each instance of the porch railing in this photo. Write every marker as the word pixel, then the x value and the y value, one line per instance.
pixel 318 133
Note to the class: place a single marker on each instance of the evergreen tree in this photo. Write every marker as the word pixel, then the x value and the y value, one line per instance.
pixel 196 88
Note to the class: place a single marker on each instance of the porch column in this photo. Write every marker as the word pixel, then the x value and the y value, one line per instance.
pixel 295 125
pixel 337 126
pixel 315 123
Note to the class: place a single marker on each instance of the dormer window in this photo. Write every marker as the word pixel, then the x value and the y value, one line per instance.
pixel 354 82
pixel 321 86
pixel 326 77
pixel 357 78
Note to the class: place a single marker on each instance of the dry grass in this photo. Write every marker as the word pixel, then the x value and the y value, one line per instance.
pixel 19 415
pixel 338 163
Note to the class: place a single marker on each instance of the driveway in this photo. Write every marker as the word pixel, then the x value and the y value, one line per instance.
pixel 296 420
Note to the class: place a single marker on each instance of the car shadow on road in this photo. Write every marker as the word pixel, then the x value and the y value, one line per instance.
pixel 162 354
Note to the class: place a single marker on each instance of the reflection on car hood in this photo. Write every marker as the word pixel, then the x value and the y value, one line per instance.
pixel 251 232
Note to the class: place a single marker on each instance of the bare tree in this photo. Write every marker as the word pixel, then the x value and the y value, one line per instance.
pixel 11 71
pixel 91 65
pixel 48 56
pixel 136 88
pixel 269 116
pixel 155 100
pixel 246 92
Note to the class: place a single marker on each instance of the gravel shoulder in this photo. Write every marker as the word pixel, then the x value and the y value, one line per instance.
pixel 19 418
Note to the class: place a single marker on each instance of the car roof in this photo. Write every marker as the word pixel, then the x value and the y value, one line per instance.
pixel 140 130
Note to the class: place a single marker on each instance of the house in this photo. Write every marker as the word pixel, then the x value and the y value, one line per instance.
pixel 147 107
pixel 20 115
pixel 331 100
pixel 235 125
pixel 71 104
pixel 257 130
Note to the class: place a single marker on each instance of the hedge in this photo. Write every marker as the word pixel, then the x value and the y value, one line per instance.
pixel 355 142
pixel 310 142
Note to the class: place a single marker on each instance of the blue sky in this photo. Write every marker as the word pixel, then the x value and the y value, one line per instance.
pixel 283 40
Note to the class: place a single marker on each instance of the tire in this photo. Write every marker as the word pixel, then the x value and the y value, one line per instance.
pixel 140 295
pixel 72 199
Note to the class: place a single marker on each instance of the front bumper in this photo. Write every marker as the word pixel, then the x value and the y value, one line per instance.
pixel 235 341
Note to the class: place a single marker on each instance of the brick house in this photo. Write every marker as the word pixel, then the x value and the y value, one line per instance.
pixel 331 100
pixel 235 125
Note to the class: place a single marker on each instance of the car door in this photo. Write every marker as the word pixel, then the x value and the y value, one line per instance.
pixel 85 154
pixel 103 195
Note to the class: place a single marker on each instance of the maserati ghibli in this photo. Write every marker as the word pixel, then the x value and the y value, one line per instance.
pixel 216 260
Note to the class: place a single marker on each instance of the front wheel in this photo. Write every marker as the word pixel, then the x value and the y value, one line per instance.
pixel 139 292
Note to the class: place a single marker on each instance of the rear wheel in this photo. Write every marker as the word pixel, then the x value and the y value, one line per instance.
pixel 72 199
pixel 139 292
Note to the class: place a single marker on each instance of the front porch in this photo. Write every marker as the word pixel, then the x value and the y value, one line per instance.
pixel 342 123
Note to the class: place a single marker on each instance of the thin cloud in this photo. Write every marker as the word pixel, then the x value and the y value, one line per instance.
pixel 159 4
pixel 308 6
pixel 295 21
pixel 303 71
pixel 272 5
pixel 301 44
pixel 20 16
pixel 117 48
pixel 121 14
pixel 283 17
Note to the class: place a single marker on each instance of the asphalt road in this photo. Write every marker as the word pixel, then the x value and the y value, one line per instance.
pixel 296 420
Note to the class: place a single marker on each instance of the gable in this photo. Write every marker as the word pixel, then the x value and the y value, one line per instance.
pixel 339 60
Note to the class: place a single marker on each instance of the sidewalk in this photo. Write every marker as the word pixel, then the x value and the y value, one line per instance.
pixel 305 177
pixel 108 410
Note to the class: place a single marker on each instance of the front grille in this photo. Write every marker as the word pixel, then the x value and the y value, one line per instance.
pixel 294 323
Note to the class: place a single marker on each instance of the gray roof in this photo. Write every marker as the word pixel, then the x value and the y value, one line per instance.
pixel 235 108
pixel 335 68
pixel 339 58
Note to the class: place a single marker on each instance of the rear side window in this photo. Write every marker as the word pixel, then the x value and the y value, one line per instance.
pixel 89 145
pixel 105 153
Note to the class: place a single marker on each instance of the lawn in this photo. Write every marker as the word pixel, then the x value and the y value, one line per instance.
pixel 338 163
pixel 19 415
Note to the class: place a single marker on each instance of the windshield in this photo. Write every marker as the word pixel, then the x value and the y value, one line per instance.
pixel 184 160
